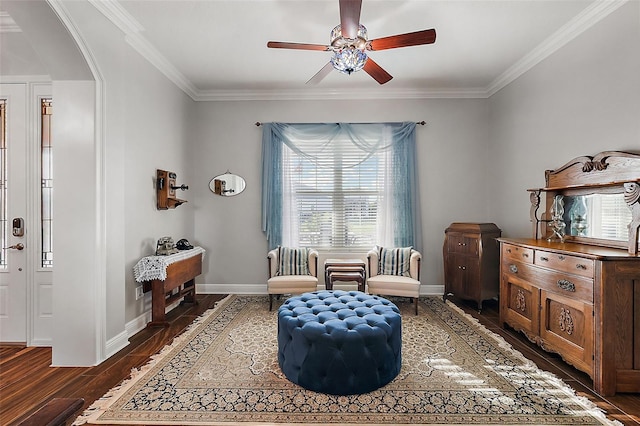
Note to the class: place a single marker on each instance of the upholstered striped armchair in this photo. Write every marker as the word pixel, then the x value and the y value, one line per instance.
pixel 291 271
pixel 394 272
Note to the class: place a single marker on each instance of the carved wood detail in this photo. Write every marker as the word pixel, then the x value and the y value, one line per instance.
pixel 521 301
pixel 632 198
pixel 565 321
pixel 534 197
pixel 590 166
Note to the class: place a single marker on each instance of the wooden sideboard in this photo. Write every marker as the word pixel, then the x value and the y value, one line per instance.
pixel 471 261
pixel 180 282
pixel 574 290
pixel 579 301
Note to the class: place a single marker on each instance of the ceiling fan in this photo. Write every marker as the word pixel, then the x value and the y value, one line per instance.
pixel 349 43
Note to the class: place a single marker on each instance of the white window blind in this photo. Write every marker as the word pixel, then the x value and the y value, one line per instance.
pixel 615 218
pixel 333 199
pixel 609 217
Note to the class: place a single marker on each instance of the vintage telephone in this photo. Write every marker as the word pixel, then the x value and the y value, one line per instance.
pixel 183 244
pixel 165 247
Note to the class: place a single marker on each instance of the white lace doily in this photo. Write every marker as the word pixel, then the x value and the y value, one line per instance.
pixel 155 267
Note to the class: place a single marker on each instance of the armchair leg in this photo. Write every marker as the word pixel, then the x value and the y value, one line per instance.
pixel 415 302
pixel 270 301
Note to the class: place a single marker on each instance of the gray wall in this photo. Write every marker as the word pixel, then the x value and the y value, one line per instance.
pixel 452 162
pixel 582 100
pixel 476 159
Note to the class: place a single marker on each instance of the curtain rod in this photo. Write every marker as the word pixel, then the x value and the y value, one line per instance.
pixel 422 123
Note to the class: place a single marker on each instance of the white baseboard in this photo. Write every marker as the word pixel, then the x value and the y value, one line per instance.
pixel 117 343
pixel 41 342
pixel 138 323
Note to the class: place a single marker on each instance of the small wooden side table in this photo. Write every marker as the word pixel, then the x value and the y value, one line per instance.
pixel 344 270
pixel 169 278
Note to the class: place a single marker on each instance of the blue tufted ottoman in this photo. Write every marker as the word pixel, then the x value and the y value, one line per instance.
pixel 339 342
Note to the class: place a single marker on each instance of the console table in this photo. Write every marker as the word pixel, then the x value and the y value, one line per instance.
pixel 169 278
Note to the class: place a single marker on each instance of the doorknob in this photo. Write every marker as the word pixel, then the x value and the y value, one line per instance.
pixel 18 246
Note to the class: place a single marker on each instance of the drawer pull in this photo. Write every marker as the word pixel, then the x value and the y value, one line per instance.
pixel 508 250
pixel 567 285
pixel 462 267
pixel 525 254
pixel 561 257
pixel 544 258
pixel 513 268
pixel 581 266
pixel 462 244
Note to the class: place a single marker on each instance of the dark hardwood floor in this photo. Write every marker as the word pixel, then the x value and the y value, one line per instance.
pixel 622 407
pixel 28 383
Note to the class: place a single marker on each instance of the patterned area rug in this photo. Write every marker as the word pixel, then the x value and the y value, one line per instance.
pixel 224 370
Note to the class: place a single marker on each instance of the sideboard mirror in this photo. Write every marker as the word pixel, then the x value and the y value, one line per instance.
pixel 591 200
pixel 227 184
pixel 600 216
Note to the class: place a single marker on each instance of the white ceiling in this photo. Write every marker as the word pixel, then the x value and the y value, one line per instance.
pixel 216 49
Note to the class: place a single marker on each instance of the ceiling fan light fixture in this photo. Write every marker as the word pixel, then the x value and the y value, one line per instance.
pixel 348 54
pixel 348 50
pixel 349 60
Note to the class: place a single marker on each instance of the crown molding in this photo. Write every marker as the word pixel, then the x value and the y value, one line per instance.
pixel 150 53
pixel 133 29
pixel 315 94
pixel 591 15
pixel 114 11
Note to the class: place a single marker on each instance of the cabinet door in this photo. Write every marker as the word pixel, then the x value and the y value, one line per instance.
pixel 453 279
pixel 519 303
pixel 566 327
pixel 464 273
pixel 466 244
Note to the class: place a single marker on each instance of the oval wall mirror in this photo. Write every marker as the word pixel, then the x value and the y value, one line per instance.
pixel 227 184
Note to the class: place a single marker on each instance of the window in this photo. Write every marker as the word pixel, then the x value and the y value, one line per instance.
pixel 333 200
pixel 340 186
pixel 46 171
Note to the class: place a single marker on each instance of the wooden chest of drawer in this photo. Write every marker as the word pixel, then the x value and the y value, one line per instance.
pixel 564 262
pixel 578 301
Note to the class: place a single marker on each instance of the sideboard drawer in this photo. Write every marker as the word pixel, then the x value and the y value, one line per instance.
pixel 566 263
pixel 573 286
pixel 517 253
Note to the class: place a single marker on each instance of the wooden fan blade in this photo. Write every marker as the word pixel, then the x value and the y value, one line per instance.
pixel 376 71
pixel 317 78
pixel 299 46
pixel 350 17
pixel 403 40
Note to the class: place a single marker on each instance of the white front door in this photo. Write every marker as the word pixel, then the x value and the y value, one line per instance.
pixel 25 285
pixel 13 270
